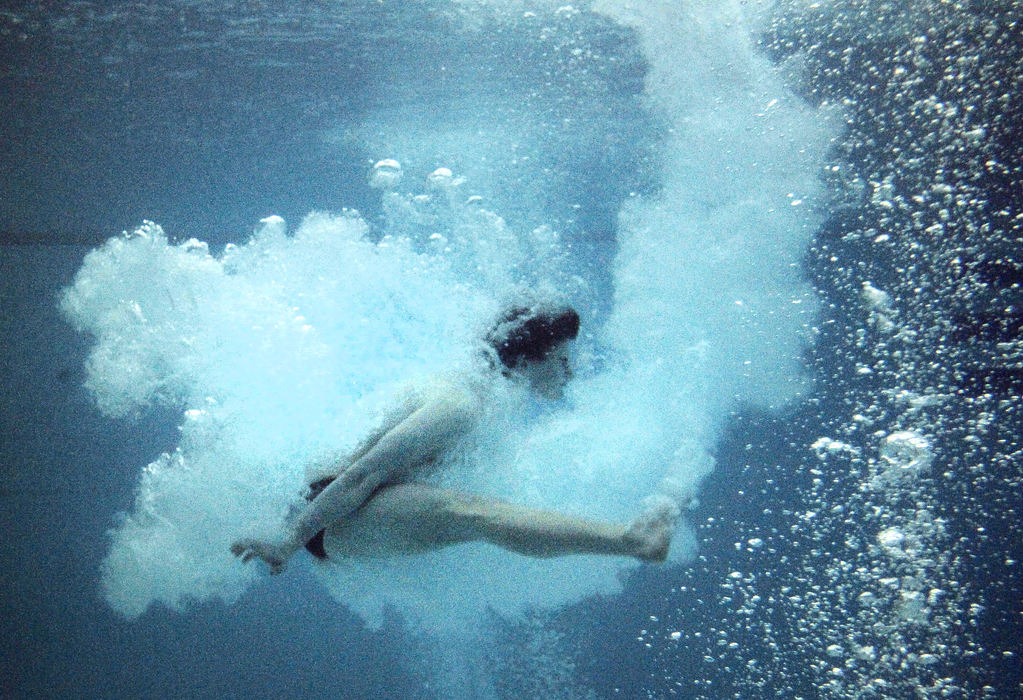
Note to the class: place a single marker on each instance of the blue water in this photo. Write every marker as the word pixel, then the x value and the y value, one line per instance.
pixel 793 232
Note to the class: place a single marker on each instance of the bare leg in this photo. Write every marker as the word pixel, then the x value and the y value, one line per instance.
pixel 544 533
pixel 411 518
pixel 407 446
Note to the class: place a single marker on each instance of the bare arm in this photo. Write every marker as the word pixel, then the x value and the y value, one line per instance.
pixel 338 464
pixel 397 455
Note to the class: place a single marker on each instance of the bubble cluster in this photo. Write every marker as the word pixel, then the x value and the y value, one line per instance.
pixel 885 559
pixel 861 546
pixel 280 351
pixel 918 360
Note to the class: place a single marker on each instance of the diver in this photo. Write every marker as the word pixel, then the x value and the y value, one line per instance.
pixel 369 502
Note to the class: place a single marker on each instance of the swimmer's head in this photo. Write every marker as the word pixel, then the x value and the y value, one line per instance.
pixel 525 334
pixel 531 343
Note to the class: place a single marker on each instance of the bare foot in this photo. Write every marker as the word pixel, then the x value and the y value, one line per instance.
pixel 274 555
pixel 650 533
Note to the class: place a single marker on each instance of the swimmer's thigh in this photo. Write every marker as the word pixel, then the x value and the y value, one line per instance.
pixel 401 519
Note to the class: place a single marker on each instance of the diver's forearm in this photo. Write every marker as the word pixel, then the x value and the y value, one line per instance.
pixel 338 500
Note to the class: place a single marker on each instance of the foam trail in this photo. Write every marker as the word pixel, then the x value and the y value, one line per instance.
pixel 256 347
pixel 710 307
pixel 277 352
pixel 708 277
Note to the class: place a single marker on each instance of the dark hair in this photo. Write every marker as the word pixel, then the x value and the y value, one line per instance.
pixel 530 334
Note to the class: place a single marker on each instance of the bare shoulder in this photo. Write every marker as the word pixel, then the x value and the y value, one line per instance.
pixel 457 390
pixel 451 405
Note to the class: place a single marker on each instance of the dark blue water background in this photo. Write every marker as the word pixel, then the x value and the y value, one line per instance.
pixel 208 119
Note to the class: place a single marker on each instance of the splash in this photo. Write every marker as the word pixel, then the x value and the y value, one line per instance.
pixel 277 352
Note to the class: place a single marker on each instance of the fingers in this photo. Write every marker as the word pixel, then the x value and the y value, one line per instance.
pixel 252 549
pixel 245 549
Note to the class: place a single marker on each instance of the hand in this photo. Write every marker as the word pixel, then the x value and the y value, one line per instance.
pixel 273 554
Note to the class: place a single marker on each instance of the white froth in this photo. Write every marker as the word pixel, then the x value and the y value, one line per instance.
pixel 276 351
